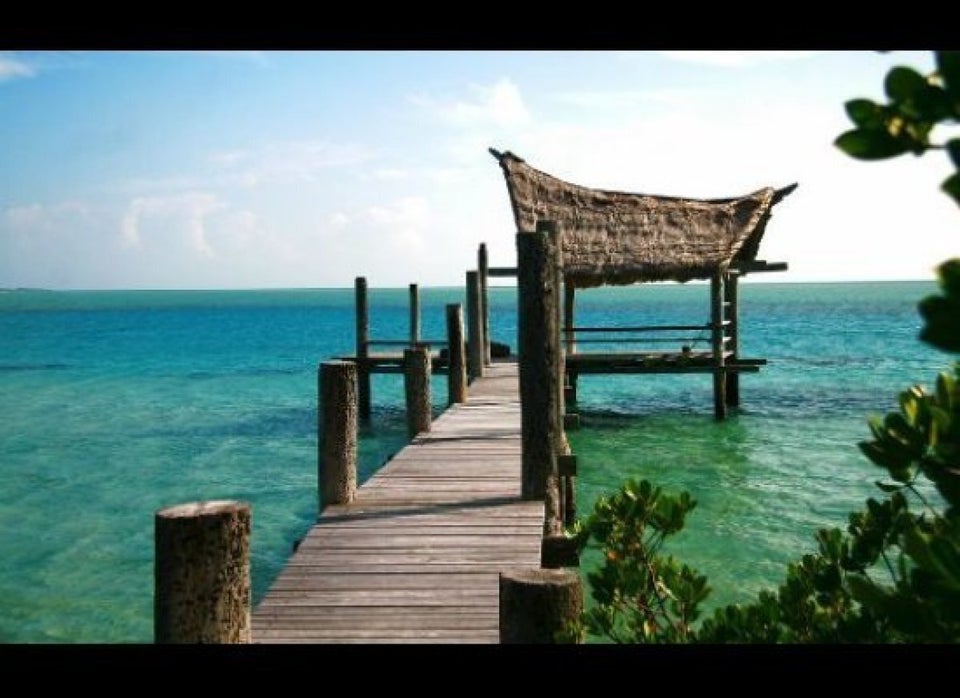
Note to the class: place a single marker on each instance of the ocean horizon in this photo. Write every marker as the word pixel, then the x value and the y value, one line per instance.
pixel 115 404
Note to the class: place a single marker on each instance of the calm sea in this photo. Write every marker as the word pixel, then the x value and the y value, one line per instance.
pixel 116 404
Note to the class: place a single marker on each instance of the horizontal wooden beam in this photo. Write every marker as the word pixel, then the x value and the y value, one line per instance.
pixel 757 265
pixel 502 271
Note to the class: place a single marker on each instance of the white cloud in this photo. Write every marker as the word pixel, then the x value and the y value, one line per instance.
pixel 499 104
pixel 165 215
pixel 12 67
pixel 734 59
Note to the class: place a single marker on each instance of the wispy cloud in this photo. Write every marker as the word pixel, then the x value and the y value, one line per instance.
pixel 184 212
pixel 734 59
pixel 499 104
pixel 13 67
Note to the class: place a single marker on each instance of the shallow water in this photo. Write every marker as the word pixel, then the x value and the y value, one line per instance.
pixel 116 404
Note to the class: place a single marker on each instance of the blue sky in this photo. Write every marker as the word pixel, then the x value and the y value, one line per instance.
pixel 305 169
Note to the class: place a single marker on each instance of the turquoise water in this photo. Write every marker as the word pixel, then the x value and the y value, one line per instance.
pixel 116 404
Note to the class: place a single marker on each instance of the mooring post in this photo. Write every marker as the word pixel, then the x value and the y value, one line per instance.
pixel 337 455
pixel 483 268
pixel 539 354
pixel 456 355
pixel 363 348
pixel 414 314
pixel 416 383
pixel 202 573
pixel 717 335
pixel 536 604
pixel 569 298
pixel 474 327
pixel 731 298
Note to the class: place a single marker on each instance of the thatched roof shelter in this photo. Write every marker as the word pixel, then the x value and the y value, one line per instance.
pixel 619 238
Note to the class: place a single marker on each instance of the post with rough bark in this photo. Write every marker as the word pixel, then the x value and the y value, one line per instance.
pixel 456 355
pixel 337 461
pixel 414 314
pixel 539 356
pixel 717 341
pixel 363 348
pixel 536 604
pixel 483 268
pixel 202 573
pixel 731 298
pixel 474 327
pixel 416 382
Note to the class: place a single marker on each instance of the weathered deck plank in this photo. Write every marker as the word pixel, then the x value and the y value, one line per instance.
pixel 416 557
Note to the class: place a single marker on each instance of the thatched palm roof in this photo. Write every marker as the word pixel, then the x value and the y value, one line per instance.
pixel 612 237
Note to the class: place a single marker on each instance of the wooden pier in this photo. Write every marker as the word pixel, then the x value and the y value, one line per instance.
pixel 416 556
pixel 460 537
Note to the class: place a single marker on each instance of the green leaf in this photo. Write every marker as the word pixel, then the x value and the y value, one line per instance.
pixel 953 150
pixel 951 185
pixel 902 83
pixel 865 113
pixel 948 65
pixel 948 275
pixel 942 328
pixel 871 144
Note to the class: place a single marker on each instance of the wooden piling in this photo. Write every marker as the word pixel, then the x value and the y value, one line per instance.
pixel 337 456
pixel 363 348
pixel 538 358
pixel 536 604
pixel 414 314
pixel 569 298
pixel 731 297
pixel 474 327
pixel 202 573
pixel 483 268
pixel 456 355
pixel 718 345
pixel 416 382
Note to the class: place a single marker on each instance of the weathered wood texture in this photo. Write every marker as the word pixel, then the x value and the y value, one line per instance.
pixel 416 556
pixel 535 604
pixel 474 327
pixel 483 269
pixel 717 336
pixel 416 385
pixel 337 437
pixel 457 366
pixel 731 313
pixel 414 313
pixel 363 349
pixel 540 368
pixel 202 573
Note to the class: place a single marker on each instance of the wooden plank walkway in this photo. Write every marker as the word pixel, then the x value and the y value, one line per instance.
pixel 416 558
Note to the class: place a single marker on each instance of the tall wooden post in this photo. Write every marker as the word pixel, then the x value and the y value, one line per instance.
pixel 202 573
pixel 474 327
pixel 569 296
pixel 717 334
pixel 416 382
pixel 539 356
pixel 483 268
pixel 731 297
pixel 337 456
pixel 456 353
pixel 363 348
pixel 414 314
